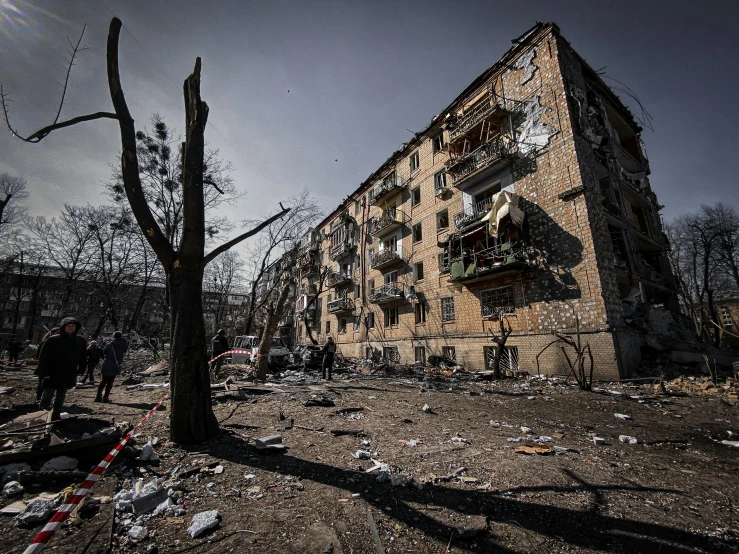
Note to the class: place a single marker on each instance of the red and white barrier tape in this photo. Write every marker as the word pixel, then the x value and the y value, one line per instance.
pixel 44 536
pixel 230 352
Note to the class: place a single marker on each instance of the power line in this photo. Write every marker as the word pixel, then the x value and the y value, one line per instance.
pixel 178 90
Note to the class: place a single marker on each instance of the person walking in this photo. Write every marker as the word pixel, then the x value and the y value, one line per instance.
pixel 15 347
pixel 39 388
pixel 113 353
pixel 218 346
pixel 329 349
pixel 62 358
pixel 94 355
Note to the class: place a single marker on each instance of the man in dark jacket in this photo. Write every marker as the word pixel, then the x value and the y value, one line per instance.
pixel 113 352
pixel 15 347
pixel 94 355
pixel 329 349
pixel 218 346
pixel 62 357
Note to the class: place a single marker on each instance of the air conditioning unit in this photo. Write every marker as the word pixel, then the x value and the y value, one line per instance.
pixel 443 192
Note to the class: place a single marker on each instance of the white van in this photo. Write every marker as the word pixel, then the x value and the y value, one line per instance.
pixel 248 345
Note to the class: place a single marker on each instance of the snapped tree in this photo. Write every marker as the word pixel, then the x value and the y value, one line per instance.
pixel 191 413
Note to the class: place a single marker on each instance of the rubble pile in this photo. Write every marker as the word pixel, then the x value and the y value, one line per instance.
pixel 700 386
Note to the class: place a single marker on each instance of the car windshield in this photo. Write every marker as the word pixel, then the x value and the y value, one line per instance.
pixel 277 343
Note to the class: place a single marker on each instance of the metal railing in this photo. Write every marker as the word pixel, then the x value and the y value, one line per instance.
pixel 384 257
pixel 388 221
pixel 340 248
pixel 484 109
pixel 471 214
pixel 340 305
pixel 340 278
pixel 387 292
pixel 391 183
pixel 487 154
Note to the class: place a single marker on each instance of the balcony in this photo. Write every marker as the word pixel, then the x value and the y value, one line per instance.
pixel 287 321
pixel 388 222
pixel 483 110
pixel 472 214
pixel 341 248
pixel 340 305
pixel 339 279
pixel 390 185
pixel 496 261
pixel 308 263
pixel 389 292
pixel 486 155
pixel 385 258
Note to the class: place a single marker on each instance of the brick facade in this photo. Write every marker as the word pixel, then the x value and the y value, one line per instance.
pixel 558 169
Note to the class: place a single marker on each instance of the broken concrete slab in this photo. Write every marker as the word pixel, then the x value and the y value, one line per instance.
pixel 60 463
pixel 147 503
pixel 202 522
pixel 38 511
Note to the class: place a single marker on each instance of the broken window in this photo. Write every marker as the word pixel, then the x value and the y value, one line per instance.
pixel 442 220
pixel 418 272
pixel 391 317
pixel 371 284
pixel 357 207
pixel 447 308
pixel 726 317
pixel 357 322
pixel 508 359
pixel 449 352
pixel 420 309
pixel 438 142
pixel 342 326
pixel 371 320
pixel 390 244
pixel 415 161
pixel 371 253
pixel 417 233
pixel 420 355
pixel 498 301
pixel 619 247
pixel 439 181
pixel 328 327
pixel 391 277
pixel 416 196
pixel 391 353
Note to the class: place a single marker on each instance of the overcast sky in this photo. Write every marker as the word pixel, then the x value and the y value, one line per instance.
pixel 318 94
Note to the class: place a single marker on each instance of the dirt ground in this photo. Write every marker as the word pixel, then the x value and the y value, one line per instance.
pixel 675 491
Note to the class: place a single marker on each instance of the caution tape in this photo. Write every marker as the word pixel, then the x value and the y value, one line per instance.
pixel 231 352
pixel 44 536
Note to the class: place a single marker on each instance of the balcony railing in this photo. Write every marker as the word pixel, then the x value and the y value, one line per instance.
pixel 483 110
pixel 490 262
pixel 341 248
pixel 388 292
pixel 340 305
pixel 486 155
pixel 390 185
pixel 384 258
pixel 338 279
pixel 472 214
pixel 388 222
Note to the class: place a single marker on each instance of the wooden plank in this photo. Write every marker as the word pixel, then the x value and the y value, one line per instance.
pixel 375 534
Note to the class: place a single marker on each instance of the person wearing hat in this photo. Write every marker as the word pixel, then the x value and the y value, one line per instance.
pixel 94 355
pixel 218 347
pixel 113 353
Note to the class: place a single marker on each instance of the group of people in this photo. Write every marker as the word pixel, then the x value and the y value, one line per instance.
pixel 64 354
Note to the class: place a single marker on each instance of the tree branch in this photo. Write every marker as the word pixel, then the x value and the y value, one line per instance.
pixel 222 248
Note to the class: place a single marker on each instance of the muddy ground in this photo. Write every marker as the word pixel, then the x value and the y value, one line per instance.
pixel 675 491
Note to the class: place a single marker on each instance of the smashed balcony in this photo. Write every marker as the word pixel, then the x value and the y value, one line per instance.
pixel 489 261
pixel 385 258
pixel 484 110
pixel 389 186
pixel 341 248
pixel 343 237
pixel 389 292
pixel 485 155
pixel 340 305
pixel 390 221
pixel 338 279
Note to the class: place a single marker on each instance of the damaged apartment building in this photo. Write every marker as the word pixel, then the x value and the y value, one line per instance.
pixel 527 198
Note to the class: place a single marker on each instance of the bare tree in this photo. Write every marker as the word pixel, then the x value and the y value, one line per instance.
pixel 191 414
pixel 222 277
pixel 724 221
pixel 500 338
pixel 13 195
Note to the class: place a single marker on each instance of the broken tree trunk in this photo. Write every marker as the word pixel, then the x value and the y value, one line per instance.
pixel 274 312
pixel 500 339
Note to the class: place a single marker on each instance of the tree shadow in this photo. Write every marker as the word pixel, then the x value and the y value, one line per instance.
pixel 587 528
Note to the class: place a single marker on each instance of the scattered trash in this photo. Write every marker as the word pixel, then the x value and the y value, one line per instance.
pixel 60 463
pixel 735 444
pixel 428 409
pixel 526 430
pixel 218 469
pixel 322 402
pixel 460 439
pixel 627 439
pixel 249 476
pixel 399 480
pixel 271 443
pixel 138 533
pixel 148 454
pixel 599 440
pixel 362 455
pixel 202 522
pixel 12 488
pixel 412 443
pixel 623 416
pixel 146 503
pixel 530 448
pixel 13 509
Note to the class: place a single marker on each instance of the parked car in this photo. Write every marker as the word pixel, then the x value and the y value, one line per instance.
pixel 278 352
pixel 308 355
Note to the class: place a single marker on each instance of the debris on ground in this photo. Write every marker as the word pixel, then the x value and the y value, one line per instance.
pixel 627 439
pixel 202 522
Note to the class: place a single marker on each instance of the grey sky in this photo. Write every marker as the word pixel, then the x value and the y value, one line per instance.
pixel 359 74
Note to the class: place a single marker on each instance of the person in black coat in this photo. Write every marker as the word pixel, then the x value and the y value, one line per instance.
pixel 329 349
pixel 62 358
pixel 113 352
pixel 15 347
pixel 94 355
pixel 218 345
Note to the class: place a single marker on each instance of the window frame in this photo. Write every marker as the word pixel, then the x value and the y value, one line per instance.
pixel 441 144
pixel 449 352
pixel 328 326
pixel 496 294
pixel 441 173
pixel 445 212
pixel 415 161
pixel 420 310
pixel 422 351
pixel 416 196
pixel 417 229
pixel 388 323
pixel 445 312
pixel 416 278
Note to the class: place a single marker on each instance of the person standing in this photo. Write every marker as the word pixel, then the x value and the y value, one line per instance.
pixel 94 355
pixel 113 353
pixel 329 349
pixel 14 350
pixel 39 388
pixel 62 357
pixel 218 346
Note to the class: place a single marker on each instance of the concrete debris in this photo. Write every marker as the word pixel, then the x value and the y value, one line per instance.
pixel 148 454
pixel 626 439
pixel 526 430
pixel 202 522
pixel 38 511
pixel 362 455
pixel 218 469
pixel 735 444
pixel 138 533
pixel 399 480
pixel 147 503
pixel 623 416
pixel 461 439
pixel 60 463
pixel 599 440
pixel 14 469
pixel 12 488
pixel 530 448
pixel 428 409
pixel 412 443
pixel 13 509
pixel 272 443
